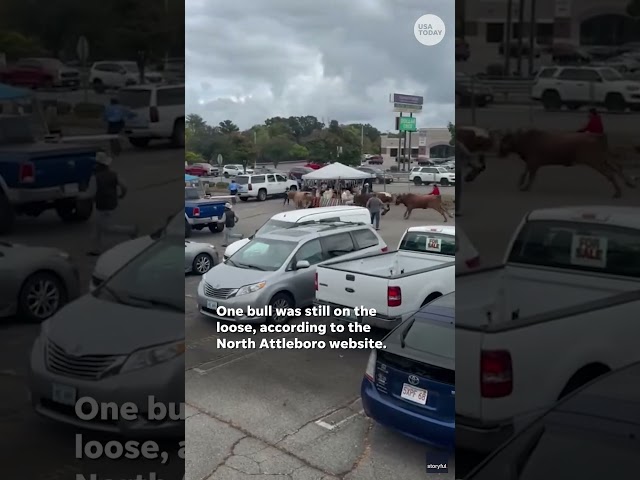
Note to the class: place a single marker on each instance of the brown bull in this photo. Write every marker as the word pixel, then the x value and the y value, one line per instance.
pixel 299 199
pixel 539 149
pixel 476 143
pixel 361 200
pixel 413 201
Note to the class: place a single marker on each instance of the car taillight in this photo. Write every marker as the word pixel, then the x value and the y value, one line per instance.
pixel 394 296
pixel 315 282
pixel 250 187
pixel 496 378
pixel 370 373
pixel 385 249
pixel 473 262
pixel 196 211
pixel 27 173
pixel 154 115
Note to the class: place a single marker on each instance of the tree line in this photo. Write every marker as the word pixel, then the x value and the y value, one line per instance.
pixel 280 139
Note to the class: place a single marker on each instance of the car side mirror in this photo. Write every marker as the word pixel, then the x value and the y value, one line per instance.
pixel 302 264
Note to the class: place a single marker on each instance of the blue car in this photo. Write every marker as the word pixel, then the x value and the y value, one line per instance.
pixel 410 385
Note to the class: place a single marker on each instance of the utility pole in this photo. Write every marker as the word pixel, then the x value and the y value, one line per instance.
pixel 533 32
pixel 507 39
pixel 399 141
pixel 520 35
pixel 410 133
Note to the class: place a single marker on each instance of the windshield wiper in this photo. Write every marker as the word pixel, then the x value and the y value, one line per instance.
pixel 405 332
pixel 255 267
pixel 116 296
pixel 151 302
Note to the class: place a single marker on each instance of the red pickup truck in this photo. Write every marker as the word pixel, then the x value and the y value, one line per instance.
pixel 197 170
pixel 40 73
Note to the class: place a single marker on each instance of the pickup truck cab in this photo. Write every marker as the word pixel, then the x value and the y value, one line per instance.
pixel 201 212
pixel 37 176
pixel 261 186
pixel 559 312
pixel 396 284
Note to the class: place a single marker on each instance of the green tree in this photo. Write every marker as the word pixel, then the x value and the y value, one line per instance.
pixel 298 152
pixel 277 150
pixel 452 131
pixel 16 45
pixel 227 126
pixel 192 157
pixel 242 149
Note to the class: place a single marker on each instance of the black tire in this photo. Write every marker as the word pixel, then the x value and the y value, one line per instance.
pixel 98 86
pixel 243 199
pixel 77 211
pixel 280 300
pixel 262 195
pixel 444 182
pixel 417 181
pixel 202 264
pixel 551 100
pixel 216 227
pixel 177 137
pixel 139 142
pixel 293 189
pixel 7 215
pixel 615 102
pixel 188 231
pixel 42 294
pixel 226 174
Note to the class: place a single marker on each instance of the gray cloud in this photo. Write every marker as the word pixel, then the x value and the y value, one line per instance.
pixel 253 59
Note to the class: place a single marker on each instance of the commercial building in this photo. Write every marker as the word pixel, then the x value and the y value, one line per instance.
pixel 425 143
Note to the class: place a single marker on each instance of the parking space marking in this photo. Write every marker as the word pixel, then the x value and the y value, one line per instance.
pixel 329 426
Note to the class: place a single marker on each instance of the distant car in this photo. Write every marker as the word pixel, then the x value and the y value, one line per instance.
pixel 381 176
pixel 375 160
pixel 41 73
pixel 409 386
pixel 600 418
pixel 261 186
pixel 212 171
pixel 314 165
pixel 36 281
pixel 469 91
pixel 233 170
pixel 197 170
pixel 199 258
pixel 118 74
pixel 431 175
pixel 296 173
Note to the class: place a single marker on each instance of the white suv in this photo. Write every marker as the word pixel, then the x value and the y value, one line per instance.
pixel 574 87
pixel 263 186
pixel 158 113
pixel 439 175
pixel 118 74
pixel 233 170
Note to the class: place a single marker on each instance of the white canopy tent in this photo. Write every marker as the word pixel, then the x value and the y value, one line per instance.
pixel 337 171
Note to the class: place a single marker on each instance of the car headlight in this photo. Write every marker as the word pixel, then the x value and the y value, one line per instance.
pixel 148 357
pixel 251 288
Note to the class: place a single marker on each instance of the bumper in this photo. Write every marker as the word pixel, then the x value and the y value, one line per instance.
pixel 408 423
pixel 205 220
pixel 479 437
pixel 208 305
pixel 165 382
pixel 49 194
pixel 379 321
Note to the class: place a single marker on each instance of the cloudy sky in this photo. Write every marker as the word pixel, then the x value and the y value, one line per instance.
pixel 248 60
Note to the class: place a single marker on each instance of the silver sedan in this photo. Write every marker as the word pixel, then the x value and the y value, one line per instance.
pixel 199 258
pixel 35 282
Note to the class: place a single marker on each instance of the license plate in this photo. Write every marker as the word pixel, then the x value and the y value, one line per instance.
pixel 70 188
pixel 211 305
pixel 64 394
pixel 417 395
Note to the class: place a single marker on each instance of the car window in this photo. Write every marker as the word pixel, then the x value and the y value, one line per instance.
pixel 311 252
pixel 257 179
pixel 429 242
pixel 338 244
pixel 281 178
pixel 611 75
pixel 430 334
pixel 271 178
pixel 570 74
pixel 579 246
pixel 547 73
pixel 365 238
pixel 431 170
pixel 263 254
pixel 169 97
pixel 135 98
pixel 242 180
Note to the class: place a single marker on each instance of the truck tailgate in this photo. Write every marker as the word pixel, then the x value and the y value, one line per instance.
pixel 468 351
pixel 207 208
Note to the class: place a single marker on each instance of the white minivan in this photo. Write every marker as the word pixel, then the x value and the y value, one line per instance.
pixel 321 214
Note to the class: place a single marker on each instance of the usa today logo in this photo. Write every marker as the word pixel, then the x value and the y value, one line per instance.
pixel 429 30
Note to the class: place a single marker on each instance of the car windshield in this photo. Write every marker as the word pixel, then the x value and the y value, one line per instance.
pixel 610 74
pixel 148 280
pixel 191 194
pixel 263 254
pixel 272 225
pixel 432 332
pixel 442 170
pixel 131 67
pixel 429 242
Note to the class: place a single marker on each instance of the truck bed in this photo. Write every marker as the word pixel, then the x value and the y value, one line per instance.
pixel 392 264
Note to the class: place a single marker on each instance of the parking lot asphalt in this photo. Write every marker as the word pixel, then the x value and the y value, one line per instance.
pixel 293 414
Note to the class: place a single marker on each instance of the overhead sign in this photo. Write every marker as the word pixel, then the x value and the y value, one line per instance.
pixel 406 108
pixel 407 124
pixel 82 48
pixel 408 99
pixel 219 159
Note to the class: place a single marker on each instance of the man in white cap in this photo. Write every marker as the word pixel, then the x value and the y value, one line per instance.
pixel 230 222
pixel 109 190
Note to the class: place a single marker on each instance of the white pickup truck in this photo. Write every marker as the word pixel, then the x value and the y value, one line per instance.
pixel 396 284
pixel 560 311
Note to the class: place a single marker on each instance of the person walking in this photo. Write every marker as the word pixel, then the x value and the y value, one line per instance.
pixel 375 205
pixel 109 191
pixel 230 222
pixel 233 191
pixel 115 116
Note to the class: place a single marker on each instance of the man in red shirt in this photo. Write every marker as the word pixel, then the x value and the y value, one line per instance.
pixel 594 124
pixel 435 191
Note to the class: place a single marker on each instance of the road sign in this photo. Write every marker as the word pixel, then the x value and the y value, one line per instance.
pixel 407 99
pixel 219 159
pixel 82 48
pixel 406 108
pixel 407 124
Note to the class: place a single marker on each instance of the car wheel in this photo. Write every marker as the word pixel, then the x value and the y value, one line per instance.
pixel 243 199
pixel 75 210
pixel 293 188
pixel 202 263
pixel 615 102
pixel 98 86
pixel 226 174
pixel 280 301
pixel 177 137
pixel 417 181
pixel 41 296
pixel 187 229
pixel 551 100
pixel 7 214
pixel 216 227
pixel 139 142
pixel 444 182
pixel 262 195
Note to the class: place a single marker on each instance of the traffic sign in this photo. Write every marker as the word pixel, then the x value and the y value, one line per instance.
pixel 219 159
pixel 408 99
pixel 407 124
pixel 406 108
pixel 82 48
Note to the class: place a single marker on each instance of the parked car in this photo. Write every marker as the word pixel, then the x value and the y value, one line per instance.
pixel 158 113
pixel 199 258
pixel 396 284
pixel 233 170
pixel 314 165
pixel 278 269
pixel 472 92
pixel 600 417
pixel 375 160
pixel 197 170
pixel 36 281
pixel 297 172
pixel 81 351
pixel 431 175
pixel 202 212
pixel 212 171
pixel 118 74
pixel 381 175
pixel 279 221
pixel 566 279
pixel 41 73
pixel 409 386
pixel 262 186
